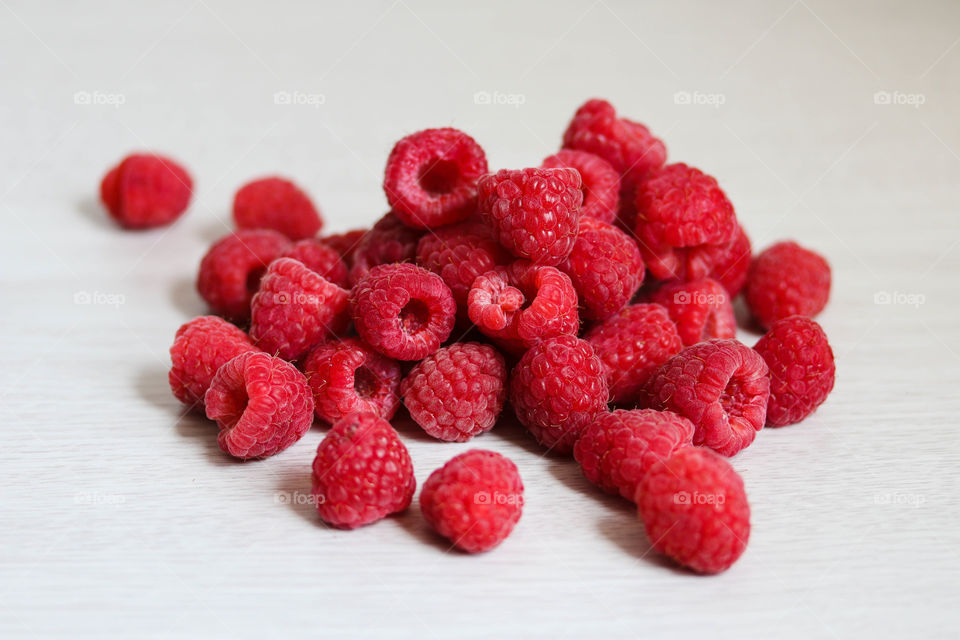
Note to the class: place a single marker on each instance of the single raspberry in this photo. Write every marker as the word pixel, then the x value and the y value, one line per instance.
pixel 295 309
pixel 231 270
pixel 431 177
pixel 694 509
pixel 347 375
pixel 605 267
pixel 521 304
pixel 474 500
pixel 618 448
pixel 557 389
pixel 362 472
pixel 458 392
pixel 701 309
pixel 261 403
pixel 389 241
pixel 600 182
pixel 278 204
pixel 320 258
pixel 631 345
pixel 345 243
pixel 801 369
pixel 200 347
pixel 403 311
pixel 722 386
pixel 146 190
pixel 535 213
pixel 730 262
pixel 787 280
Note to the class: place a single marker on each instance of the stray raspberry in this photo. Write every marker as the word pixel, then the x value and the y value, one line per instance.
pixel 701 309
pixel 319 258
pixel 474 500
pixel 389 241
pixel 600 182
pixel 278 204
pixel 146 190
pixel 345 243
pixel 787 280
pixel 200 347
pixel 731 262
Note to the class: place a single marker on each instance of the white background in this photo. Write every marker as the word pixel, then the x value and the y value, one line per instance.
pixel 121 516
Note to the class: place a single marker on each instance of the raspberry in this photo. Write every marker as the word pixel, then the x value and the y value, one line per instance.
pixel 601 182
pixel 347 376
pixel 474 500
pixel 403 311
pixel 389 241
pixel 362 472
pixel 431 177
pixel 722 386
pixel 458 392
pixel 557 389
pixel 701 309
pixel 295 309
pixel 618 448
pixel 605 267
pixel 320 258
pixel 731 262
pixel 631 345
pixel 200 347
pixel 261 403
pixel 230 272
pixel 278 204
pixel 787 280
pixel 146 190
pixel 535 213
pixel 521 304
pixel 694 509
pixel 345 243
pixel 801 369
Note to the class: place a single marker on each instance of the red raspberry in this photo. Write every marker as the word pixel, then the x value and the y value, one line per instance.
pixel 458 392
pixel 474 500
pixel 320 258
pixel 694 509
pixel 403 311
pixel 631 345
pixel 389 241
pixel 431 177
pixel 231 270
pixel 787 280
pixel 146 190
pixel 557 389
pixel 731 262
pixel 295 309
pixel 200 347
pixel 618 448
pixel 521 304
pixel 362 472
pixel 722 386
pixel 801 369
pixel 278 204
pixel 346 243
pixel 261 403
pixel 701 309
pixel 605 267
pixel 535 213
pixel 347 375
pixel 601 182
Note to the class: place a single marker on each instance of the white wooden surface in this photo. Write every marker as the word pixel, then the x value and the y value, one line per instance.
pixel 122 518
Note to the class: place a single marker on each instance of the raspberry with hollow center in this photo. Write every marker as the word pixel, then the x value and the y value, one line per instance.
pixel 278 204
pixel 389 241
pixel 787 280
pixel 701 309
pixel 199 348
pixel 146 190
pixel 600 182
pixel 320 258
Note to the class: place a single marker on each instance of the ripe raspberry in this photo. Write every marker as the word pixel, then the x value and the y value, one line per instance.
pixel 722 386
pixel 801 369
pixel 261 403
pixel 694 509
pixel 403 311
pixel 362 472
pixel 701 309
pixel 787 280
pixel 231 270
pixel 320 258
pixel 601 182
pixel 731 262
pixel 200 347
pixel 295 309
pixel 458 392
pixel 146 190
pixel 521 304
pixel 474 500
pixel 389 241
pixel 278 204
pixel 557 389
pixel 347 375
pixel 345 243
pixel 619 447
pixel 631 345
pixel 605 267
pixel 535 213
pixel 431 177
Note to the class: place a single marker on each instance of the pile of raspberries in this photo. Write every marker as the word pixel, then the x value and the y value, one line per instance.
pixel 592 295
